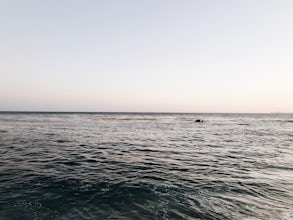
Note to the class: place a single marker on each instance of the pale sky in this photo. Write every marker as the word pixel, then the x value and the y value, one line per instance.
pixel 146 55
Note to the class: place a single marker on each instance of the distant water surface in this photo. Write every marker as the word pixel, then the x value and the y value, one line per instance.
pixel 146 166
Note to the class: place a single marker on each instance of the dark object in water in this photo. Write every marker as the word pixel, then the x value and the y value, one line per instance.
pixel 198 121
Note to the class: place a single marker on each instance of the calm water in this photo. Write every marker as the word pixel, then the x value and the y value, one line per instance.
pixel 146 166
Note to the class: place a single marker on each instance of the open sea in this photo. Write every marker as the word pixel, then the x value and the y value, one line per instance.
pixel 146 166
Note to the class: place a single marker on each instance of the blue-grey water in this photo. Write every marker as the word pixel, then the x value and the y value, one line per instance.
pixel 146 166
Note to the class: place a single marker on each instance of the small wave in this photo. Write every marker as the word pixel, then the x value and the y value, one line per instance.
pixel 70 163
pixel 91 161
pixel 289 121
pixel 50 134
pixel 61 141
pixel 138 119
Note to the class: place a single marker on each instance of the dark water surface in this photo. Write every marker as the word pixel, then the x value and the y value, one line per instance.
pixel 146 166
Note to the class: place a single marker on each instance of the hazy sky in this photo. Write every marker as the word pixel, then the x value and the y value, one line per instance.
pixel 146 55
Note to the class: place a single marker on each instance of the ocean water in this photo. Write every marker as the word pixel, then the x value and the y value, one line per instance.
pixel 146 166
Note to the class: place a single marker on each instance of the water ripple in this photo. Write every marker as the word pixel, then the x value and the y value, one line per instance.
pixel 146 166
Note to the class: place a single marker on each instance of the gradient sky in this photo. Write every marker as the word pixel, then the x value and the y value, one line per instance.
pixel 151 55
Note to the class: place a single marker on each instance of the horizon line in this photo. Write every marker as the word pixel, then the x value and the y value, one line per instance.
pixel 134 112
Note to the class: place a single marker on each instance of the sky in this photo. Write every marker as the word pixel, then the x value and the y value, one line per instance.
pixel 146 55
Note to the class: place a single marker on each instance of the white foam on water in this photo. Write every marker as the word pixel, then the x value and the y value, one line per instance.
pixel 287 216
pixel 284 216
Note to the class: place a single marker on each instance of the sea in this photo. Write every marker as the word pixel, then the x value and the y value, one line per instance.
pixel 146 166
